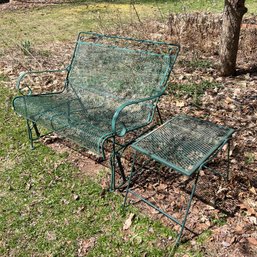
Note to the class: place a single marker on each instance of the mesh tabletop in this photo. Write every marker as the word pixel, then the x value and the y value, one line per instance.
pixel 183 143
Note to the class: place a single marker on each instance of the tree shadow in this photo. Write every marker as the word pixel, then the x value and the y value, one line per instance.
pixel 252 71
pixel 212 190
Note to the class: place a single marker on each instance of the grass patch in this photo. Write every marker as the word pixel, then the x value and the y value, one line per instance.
pixel 55 23
pixel 63 22
pixel 192 90
pixel 204 236
pixel 196 63
pixel 220 220
pixel 249 157
pixel 48 208
pixel 26 47
pixel 3 78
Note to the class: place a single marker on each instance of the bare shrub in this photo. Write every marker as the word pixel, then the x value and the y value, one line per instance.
pixel 197 31
pixel 248 45
pixel 200 34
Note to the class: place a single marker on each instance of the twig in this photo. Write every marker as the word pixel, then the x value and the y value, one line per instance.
pixel 132 2
pixel 160 11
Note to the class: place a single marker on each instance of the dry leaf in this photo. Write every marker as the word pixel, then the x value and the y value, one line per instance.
pixel 252 240
pixel 76 197
pixel 85 246
pixel 180 103
pixel 128 221
pixel 51 236
pixel 249 210
pixel 239 229
pixel 252 190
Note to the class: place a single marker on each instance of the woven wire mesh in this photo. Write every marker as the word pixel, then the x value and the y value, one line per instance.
pixel 105 72
pixel 184 142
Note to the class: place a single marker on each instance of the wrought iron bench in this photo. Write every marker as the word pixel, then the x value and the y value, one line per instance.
pixel 112 87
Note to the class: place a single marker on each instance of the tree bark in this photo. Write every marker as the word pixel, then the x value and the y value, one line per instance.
pixel 232 18
pixel 4 1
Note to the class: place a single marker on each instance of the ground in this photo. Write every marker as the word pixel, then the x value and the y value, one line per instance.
pixel 224 213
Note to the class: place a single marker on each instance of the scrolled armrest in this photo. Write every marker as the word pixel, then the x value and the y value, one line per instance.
pixel 20 78
pixel 131 115
pixel 26 86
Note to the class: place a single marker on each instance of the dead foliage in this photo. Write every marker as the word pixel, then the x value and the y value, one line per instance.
pixel 201 32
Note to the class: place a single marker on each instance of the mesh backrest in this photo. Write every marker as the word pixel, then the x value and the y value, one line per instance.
pixel 120 68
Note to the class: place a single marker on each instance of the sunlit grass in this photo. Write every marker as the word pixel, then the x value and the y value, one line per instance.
pixel 62 22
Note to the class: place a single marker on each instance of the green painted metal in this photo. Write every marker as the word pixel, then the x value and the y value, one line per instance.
pixel 112 87
pixel 191 142
pixel 185 144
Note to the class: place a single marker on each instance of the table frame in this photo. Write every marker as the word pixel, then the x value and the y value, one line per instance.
pixel 196 176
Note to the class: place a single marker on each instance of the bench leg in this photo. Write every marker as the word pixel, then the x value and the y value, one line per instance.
pixel 30 132
pixel 115 162
pixel 36 129
pixel 112 183
pixel 227 174
pixel 30 135
pixel 129 180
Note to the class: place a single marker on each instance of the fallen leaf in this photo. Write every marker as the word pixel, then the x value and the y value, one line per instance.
pixel 28 186
pixel 76 197
pixel 252 240
pixel 85 246
pixel 51 236
pixel 128 221
pixel 252 190
pixel 239 229
pixel 202 173
pixel 180 104
pixel 249 210
pixel 233 240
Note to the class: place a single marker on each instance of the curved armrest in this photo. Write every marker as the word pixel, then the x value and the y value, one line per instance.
pixel 120 110
pixel 24 74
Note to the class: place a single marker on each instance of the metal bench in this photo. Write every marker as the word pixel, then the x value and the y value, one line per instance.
pixel 112 87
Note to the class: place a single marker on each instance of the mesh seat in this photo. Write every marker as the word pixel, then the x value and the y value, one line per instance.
pixel 84 122
pixel 183 143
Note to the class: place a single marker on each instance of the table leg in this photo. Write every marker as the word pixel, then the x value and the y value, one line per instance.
pixel 228 161
pixel 187 209
pixel 181 224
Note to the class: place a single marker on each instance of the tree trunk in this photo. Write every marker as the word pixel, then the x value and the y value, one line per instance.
pixel 232 18
pixel 4 1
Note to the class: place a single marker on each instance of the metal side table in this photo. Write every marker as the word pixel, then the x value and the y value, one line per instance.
pixel 186 145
